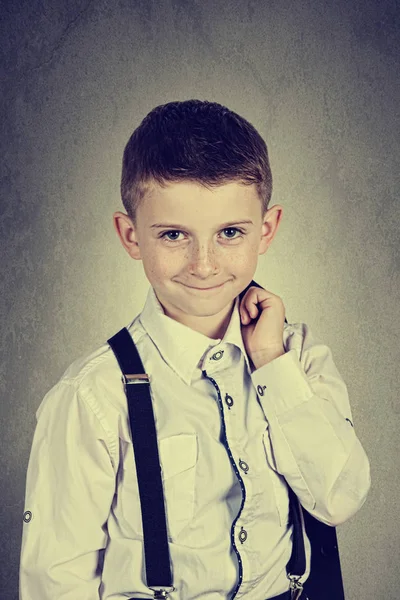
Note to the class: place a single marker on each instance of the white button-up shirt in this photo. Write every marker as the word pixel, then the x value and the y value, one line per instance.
pixel 289 419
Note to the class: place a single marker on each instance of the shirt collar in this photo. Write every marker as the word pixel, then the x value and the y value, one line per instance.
pixel 180 346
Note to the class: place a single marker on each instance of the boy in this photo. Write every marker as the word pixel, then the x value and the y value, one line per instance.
pixel 243 401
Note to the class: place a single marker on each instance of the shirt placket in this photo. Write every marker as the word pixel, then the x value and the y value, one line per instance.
pixel 240 464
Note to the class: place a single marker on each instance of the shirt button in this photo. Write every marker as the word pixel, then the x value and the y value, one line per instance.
pixel 217 355
pixel 243 465
pixel 242 535
pixel 260 389
pixel 228 400
pixel 27 516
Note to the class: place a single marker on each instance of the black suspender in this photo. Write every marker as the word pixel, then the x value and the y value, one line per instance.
pixel 144 439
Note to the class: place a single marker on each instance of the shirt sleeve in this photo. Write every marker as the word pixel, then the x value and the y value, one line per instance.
pixel 313 443
pixel 69 490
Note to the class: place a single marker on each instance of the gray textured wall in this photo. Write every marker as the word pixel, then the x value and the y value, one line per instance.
pixel 320 80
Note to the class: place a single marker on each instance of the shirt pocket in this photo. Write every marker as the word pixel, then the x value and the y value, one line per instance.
pixel 178 458
pixel 279 484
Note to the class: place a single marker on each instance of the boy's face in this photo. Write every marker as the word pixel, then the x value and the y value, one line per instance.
pixel 196 249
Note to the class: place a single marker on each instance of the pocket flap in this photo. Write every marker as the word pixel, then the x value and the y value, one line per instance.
pixel 177 453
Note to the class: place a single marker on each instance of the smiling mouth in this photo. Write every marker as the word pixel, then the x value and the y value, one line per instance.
pixel 206 289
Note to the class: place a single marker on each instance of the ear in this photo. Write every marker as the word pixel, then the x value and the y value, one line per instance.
pixel 270 226
pixel 127 234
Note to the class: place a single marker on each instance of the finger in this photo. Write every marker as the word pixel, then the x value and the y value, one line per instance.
pixel 245 316
pixel 254 310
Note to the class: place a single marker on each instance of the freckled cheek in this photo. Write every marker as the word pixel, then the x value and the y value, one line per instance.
pixel 244 262
pixel 161 265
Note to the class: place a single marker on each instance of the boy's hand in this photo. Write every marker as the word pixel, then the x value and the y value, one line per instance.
pixel 262 317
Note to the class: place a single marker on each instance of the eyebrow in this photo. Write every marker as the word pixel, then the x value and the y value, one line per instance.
pixel 176 226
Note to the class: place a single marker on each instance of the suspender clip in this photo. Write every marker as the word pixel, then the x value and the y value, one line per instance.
pixel 162 593
pixel 296 587
pixel 135 378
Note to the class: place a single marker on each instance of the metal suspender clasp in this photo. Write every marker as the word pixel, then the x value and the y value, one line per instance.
pixel 296 587
pixel 135 378
pixel 162 593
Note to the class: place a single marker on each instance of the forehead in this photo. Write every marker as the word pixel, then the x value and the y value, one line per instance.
pixel 177 201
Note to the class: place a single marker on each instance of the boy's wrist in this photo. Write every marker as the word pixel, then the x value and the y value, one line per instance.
pixel 263 357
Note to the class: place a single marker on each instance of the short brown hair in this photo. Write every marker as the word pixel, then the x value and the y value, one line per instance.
pixel 193 140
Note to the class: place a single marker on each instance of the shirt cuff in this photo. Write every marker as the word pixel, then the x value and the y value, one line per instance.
pixel 281 384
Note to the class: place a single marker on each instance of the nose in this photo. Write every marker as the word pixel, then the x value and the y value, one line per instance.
pixel 203 259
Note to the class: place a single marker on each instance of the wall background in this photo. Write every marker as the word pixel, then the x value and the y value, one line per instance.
pixel 320 80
